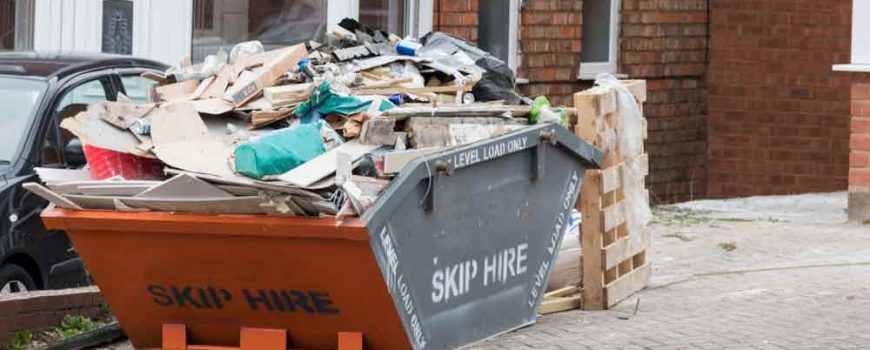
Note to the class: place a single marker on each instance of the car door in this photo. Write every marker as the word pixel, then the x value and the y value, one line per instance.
pixel 130 83
pixel 59 265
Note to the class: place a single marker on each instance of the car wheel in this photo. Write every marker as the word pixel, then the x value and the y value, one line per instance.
pixel 14 279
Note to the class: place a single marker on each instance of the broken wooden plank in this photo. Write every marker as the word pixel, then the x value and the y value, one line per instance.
pixel 240 94
pixel 288 93
pixel 560 304
pixel 474 110
pixel 563 292
pixel 261 118
pixel 159 78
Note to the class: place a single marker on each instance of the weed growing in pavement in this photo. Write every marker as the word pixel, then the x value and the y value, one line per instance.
pixel 728 246
pixel 679 235
pixel 20 341
pixel 74 325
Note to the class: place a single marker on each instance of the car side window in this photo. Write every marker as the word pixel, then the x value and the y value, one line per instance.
pixel 87 93
pixel 73 102
pixel 138 88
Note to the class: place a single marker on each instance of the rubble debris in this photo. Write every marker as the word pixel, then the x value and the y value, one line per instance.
pixel 294 93
pixel 393 162
pixel 262 132
pixel 456 131
pixel 239 94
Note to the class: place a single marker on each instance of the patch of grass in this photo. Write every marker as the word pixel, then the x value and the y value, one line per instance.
pixel 20 341
pixel 74 325
pixel 679 235
pixel 728 246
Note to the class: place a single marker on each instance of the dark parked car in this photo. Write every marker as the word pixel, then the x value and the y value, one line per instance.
pixel 37 91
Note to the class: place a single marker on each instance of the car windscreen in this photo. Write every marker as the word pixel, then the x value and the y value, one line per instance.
pixel 19 100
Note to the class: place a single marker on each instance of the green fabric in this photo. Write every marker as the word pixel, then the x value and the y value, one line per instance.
pixel 542 106
pixel 280 151
pixel 324 102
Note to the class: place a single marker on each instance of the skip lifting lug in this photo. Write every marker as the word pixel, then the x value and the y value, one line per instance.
pixel 547 136
pixel 441 167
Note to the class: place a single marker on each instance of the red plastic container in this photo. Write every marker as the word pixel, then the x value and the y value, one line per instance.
pixel 106 163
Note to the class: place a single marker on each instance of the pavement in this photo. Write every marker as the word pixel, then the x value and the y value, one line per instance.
pixel 781 272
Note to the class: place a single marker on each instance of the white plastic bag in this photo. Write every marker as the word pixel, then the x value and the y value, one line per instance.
pixel 629 138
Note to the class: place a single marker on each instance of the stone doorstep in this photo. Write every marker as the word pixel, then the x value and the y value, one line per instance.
pixel 859 205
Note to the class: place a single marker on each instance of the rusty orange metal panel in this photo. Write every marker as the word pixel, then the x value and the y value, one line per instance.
pixel 218 274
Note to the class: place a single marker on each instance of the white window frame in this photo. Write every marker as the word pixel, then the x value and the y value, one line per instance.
pixel 418 14
pixel 590 70
pixel 860 41
pixel 513 35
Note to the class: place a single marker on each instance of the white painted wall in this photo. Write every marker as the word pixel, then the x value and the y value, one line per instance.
pixel 64 25
pixel 162 29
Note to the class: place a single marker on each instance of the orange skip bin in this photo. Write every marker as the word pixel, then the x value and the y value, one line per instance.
pixel 458 249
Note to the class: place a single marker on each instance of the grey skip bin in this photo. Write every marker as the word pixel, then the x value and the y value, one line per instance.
pixel 465 239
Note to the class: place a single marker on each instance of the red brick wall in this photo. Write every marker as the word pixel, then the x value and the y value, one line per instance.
pixel 779 118
pixel 550 42
pixel 665 42
pixel 457 18
pixel 859 158
pixel 41 310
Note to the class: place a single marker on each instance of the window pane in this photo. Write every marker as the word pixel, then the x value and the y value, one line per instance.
pixel 19 100
pixel 16 25
pixel 386 15
pixel 596 31
pixel 220 24
pixel 494 28
pixel 138 88
pixel 118 27
pixel 85 94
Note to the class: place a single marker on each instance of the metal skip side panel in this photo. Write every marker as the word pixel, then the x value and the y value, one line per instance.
pixel 466 239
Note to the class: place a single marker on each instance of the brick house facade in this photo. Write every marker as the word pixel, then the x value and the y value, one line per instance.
pixel 742 100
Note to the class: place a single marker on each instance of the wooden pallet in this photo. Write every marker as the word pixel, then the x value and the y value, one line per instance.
pixel 568 298
pixel 614 259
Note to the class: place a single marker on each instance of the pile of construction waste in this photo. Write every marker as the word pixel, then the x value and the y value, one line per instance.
pixel 307 130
